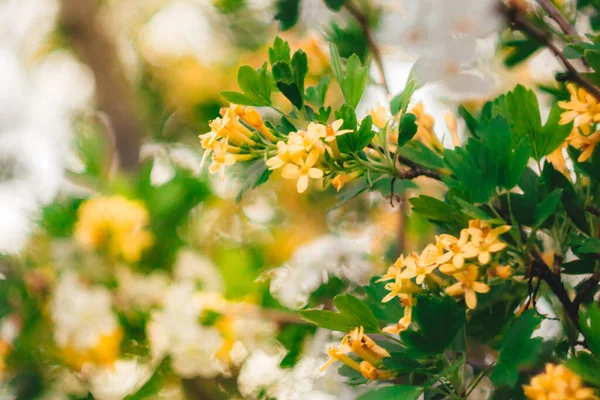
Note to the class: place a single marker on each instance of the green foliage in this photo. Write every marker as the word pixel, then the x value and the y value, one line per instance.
pixel 585 365
pixel 400 102
pixel 349 39
pixel 590 327
pixel 335 5
pixel 546 208
pixel 526 122
pixel 429 314
pixel 315 95
pixel 407 129
pixel 289 74
pixel 518 349
pixel 421 154
pixel 58 218
pixel 520 49
pixel 255 84
pixel 353 80
pixel 352 313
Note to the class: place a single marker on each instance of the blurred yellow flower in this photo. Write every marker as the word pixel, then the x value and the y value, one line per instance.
pixel 221 159
pixel 380 115
pixel 557 382
pixel 333 130
pixel 405 321
pixel 582 140
pixel 114 224
pixel 106 352
pixel 425 133
pixel 468 286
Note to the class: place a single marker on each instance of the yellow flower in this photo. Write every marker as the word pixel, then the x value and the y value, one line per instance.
pixel 458 250
pixel 220 159
pixel 583 108
pixel 380 115
pixel 340 180
pixel 114 224
pixel 425 133
pixel 251 117
pixel 333 130
pixel 305 141
pixel 365 348
pixel 401 288
pixel 282 157
pixel 467 286
pixel 486 240
pixel 558 383
pixel 418 266
pixel 405 321
pixel 557 159
pixel 302 169
pixel 105 352
pixel 584 142
pixel 392 271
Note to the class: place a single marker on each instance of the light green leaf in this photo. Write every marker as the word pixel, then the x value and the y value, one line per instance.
pixel 586 366
pixel 280 52
pixel 401 101
pixel 352 313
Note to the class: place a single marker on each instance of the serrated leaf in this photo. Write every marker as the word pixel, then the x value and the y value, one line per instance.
pixel 350 305
pixel 354 81
pixel 353 142
pixel 279 52
pixel 315 95
pixel 352 313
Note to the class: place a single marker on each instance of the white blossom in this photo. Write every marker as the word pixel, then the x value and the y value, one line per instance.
pixel 116 381
pixel 259 372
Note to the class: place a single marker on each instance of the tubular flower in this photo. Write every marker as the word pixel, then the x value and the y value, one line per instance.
pixel 582 140
pixel 365 348
pixel 458 250
pixel 486 240
pixel 251 117
pixel 425 133
pixel 468 286
pixel 380 115
pixel 303 169
pixel 405 321
pixel 221 159
pixel 115 224
pixel 558 383
pixel 583 108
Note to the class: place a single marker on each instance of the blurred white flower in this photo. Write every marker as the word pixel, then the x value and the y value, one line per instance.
pixel 81 314
pixel 238 353
pixel 141 291
pixel 116 381
pixel 259 372
pixel 191 266
pixel 299 382
pixel 311 264
pixel 175 330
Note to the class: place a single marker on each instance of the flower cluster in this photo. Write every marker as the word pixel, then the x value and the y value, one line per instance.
pixel 583 110
pixel 235 136
pixel 114 224
pixel 451 257
pixel 557 382
pixel 299 157
pixel 364 347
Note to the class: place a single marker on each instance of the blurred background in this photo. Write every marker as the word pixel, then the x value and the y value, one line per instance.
pixel 130 272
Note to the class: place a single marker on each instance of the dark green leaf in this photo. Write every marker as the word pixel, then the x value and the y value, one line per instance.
pixel 407 129
pixel 335 5
pixel 280 52
pixel 590 327
pixel 585 365
pixel 287 13
pixel 352 313
pixel 593 58
pixel 518 349
pixel 547 207
pixel 421 154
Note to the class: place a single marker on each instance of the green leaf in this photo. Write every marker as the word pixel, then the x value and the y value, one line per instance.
pixel 579 267
pixel 352 313
pixel 291 92
pixel 585 365
pixel 407 129
pixel 257 174
pixel 553 134
pixel 421 154
pixel 520 50
pixel 437 210
pixel 353 142
pixel 525 114
pixel 280 52
pixel 593 58
pixel 256 86
pixel 300 68
pixel 473 211
pixel 282 72
pixel 472 123
pixel 429 314
pixel 396 392
pixel 590 327
pixel 518 349
pixel 547 207
pixel 315 95
pixel 353 81
pixel 589 246
pixel 400 102
pixel 287 13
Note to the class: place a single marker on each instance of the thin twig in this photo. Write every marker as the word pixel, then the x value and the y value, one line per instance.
pixel 521 23
pixel 363 21
pixel 588 288
pixel 557 16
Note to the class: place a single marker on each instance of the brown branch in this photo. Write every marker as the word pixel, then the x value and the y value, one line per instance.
pixel 593 210
pixel 588 288
pixel 363 21
pixel 558 17
pixel 415 169
pixel 112 89
pixel 520 22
